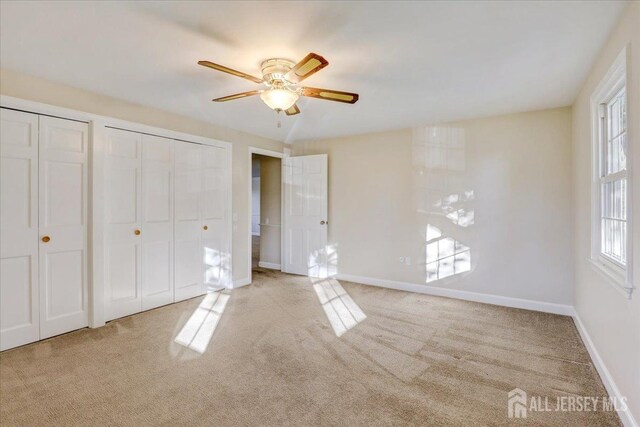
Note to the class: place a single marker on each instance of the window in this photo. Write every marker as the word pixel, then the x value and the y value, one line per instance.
pixel 611 180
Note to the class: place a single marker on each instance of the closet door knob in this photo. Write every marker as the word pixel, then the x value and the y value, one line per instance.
pixel 46 239
pixel 137 232
pixel 205 227
pixel 323 222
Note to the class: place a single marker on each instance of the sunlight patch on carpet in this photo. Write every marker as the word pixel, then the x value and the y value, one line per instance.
pixel 197 332
pixel 343 313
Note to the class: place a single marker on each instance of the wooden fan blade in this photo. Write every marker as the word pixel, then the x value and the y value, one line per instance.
pixel 237 96
pixel 229 71
pixel 311 64
pixel 330 95
pixel 293 110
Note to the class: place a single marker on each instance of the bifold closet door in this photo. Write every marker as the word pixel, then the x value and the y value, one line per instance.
pixel 123 237
pixel 157 221
pixel 63 205
pixel 19 291
pixel 217 269
pixel 139 217
pixel 189 256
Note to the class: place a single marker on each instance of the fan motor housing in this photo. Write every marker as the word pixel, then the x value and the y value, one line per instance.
pixel 274 70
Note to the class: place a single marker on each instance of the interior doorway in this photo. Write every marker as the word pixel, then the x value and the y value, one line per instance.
pixel 265 196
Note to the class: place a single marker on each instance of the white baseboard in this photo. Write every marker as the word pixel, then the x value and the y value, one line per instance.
pixel 269 265
pixel 241 282
pixel 546 307
pixel 626 417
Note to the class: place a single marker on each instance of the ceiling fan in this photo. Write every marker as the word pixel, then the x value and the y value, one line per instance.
pixel 282 78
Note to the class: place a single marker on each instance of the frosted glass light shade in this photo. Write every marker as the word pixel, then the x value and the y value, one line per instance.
pixel 279 99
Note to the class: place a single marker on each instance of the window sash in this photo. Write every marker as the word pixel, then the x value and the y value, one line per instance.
pixel 613 183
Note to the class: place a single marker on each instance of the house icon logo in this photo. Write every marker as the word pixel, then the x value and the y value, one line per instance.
pixel 517 403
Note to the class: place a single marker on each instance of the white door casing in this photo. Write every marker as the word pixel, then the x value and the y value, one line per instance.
pixel 305 217
pixel 123 223
pixel 157 221
pixel 19 291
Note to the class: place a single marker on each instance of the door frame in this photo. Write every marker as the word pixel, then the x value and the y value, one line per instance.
pixel 268 153
pixel 96 165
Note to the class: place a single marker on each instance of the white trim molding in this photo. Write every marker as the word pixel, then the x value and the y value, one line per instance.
pixel 269 265
pixel 546 307
pixel 241 282
pixel 609 384
pixel 614 80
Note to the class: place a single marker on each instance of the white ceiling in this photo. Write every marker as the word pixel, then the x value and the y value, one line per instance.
pixel 412 63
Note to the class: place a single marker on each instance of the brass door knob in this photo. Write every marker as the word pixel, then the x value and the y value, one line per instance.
pixel 46 239
pixel 205 227
pixel 137 232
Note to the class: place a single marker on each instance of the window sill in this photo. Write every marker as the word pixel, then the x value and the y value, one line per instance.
pixel 614 278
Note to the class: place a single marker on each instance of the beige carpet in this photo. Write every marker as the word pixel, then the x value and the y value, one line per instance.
pixel 275 359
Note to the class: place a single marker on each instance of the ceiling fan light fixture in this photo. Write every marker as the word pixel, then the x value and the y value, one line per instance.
pixel 281 80
pixel 279 99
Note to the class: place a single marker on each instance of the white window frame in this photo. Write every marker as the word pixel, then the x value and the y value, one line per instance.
pixel 616 274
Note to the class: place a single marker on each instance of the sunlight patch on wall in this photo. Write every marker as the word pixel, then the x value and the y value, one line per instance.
pixel 217 273
pixel 343 313
pixel 445 256
pixel 455 210
pixel 197 332
pixel 323 263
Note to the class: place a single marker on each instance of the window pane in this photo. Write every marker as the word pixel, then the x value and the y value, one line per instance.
pixel 614 146
pixel 613 220
pixel 623 110
pixel 616 154
pixel 614 115
pixel 622 140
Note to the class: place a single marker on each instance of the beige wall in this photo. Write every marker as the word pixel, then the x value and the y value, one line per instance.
pixel 26 87
pixel 511 175
pixel 270 206
pixel 612 321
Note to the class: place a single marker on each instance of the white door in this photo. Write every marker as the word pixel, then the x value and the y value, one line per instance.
pixel 217 258
pixel 63 178
pixel 305 205
pixel 123 218
pixel 19 292
pixel 189 266
pixel 157 221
